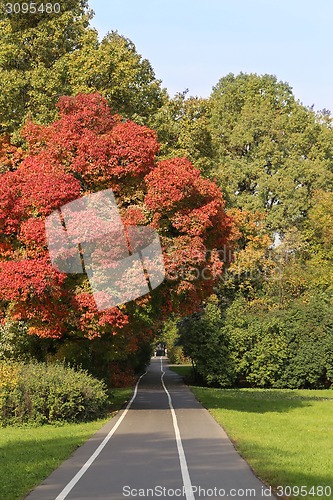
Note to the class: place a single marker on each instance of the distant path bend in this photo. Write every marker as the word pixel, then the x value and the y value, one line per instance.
pixel 164 444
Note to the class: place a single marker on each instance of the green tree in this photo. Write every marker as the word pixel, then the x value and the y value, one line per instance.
pixel 205 341
pixel 271 152
pixel 113 68
pixel 33 48
pixel 44 56
pixel 182 124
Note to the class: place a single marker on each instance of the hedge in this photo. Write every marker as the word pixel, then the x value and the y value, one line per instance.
pixel 44 394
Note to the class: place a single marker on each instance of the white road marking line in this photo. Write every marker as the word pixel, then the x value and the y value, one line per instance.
pixel 63 494
pixel 182 459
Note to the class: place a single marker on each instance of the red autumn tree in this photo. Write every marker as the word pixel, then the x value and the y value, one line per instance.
pixel 87 150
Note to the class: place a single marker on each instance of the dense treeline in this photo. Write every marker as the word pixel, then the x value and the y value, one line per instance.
pixel 268 321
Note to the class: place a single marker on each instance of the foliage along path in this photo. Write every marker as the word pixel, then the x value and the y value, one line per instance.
pixel 164 444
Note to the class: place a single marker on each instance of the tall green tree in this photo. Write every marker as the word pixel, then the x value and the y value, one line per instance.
pixel 113 68
pixel 46 55
pixel 33 50
pixel 271 152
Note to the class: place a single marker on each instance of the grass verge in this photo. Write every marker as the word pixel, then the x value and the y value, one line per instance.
pixel 186 371
pixel 29 454
pixel 285 435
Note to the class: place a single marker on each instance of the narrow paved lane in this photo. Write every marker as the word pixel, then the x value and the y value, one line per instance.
pixel 164 445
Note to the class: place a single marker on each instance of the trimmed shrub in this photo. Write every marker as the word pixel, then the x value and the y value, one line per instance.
pixel 45 394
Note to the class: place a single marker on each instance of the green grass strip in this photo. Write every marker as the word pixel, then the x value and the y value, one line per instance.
pixel 29 454
pixel 285 435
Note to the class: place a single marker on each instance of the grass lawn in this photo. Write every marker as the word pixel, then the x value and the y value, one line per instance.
pixel 29 454
pixel 285 435
pixel 185 371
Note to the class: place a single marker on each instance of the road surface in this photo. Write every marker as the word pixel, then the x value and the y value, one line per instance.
pixel 163 445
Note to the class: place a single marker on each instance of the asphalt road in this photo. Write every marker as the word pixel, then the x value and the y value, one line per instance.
pixel 163 445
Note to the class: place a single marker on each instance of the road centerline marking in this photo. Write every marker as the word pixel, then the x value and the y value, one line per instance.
pixel 68 488
pixel 182 458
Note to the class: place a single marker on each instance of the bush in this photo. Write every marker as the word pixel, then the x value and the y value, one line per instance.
pixel 40 393
pixel 310 336
pixel 253 345
pixel 283 348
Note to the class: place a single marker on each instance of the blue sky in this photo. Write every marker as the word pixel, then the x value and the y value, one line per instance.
pixel 193 43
